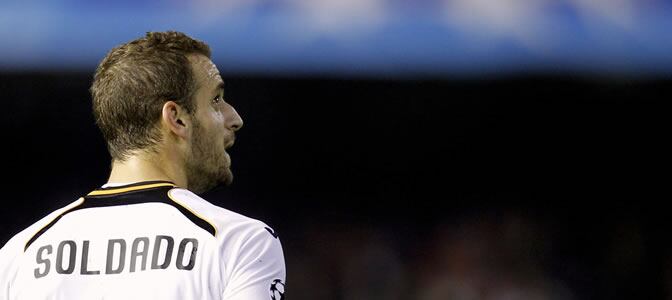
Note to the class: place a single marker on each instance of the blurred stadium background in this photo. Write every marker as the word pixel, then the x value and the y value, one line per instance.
pixel 428 149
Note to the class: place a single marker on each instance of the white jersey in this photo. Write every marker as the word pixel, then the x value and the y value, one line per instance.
pixel 149 240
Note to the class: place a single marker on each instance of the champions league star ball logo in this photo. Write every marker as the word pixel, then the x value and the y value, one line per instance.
pixel 277 290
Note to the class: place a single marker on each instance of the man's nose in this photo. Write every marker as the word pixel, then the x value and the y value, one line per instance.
pixel 236 121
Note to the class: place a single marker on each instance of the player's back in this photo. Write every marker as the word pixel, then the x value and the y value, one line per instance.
pixel 141 241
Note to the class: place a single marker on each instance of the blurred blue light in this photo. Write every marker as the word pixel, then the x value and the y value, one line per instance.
pixel 354 37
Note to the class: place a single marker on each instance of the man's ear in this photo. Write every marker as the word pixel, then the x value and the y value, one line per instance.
pixel 175 118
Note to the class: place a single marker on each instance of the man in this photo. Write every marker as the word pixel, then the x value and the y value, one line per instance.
pixel 159 103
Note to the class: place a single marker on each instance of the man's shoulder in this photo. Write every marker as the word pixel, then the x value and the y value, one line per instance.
pixel 226 222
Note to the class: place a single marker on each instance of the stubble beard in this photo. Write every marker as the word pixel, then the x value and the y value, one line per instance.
pixel 205 167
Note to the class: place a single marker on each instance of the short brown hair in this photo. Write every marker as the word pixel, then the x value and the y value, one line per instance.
pixel 132 83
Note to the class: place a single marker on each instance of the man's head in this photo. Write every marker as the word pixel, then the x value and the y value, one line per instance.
pixel 161 93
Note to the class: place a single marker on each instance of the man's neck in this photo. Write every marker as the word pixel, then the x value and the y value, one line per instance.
pixel 140 168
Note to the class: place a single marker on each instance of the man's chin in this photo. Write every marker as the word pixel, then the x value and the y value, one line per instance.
pixel 227 179
pixel 224 179
pixel 203 183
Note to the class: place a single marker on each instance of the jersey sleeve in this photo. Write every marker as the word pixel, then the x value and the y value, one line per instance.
pixel 259 272
pixel 5 266
pixel 8 259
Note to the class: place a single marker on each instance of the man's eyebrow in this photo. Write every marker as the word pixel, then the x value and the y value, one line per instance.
pixel 220 86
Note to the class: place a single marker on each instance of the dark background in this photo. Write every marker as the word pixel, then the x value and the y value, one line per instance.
pixel 540 186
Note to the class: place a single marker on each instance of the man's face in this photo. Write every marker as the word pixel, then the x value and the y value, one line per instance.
pixel 213 131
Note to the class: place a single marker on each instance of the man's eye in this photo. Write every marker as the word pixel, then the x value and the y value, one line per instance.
pixel 217 99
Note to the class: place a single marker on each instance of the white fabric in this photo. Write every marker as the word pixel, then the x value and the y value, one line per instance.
pixel 242 261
